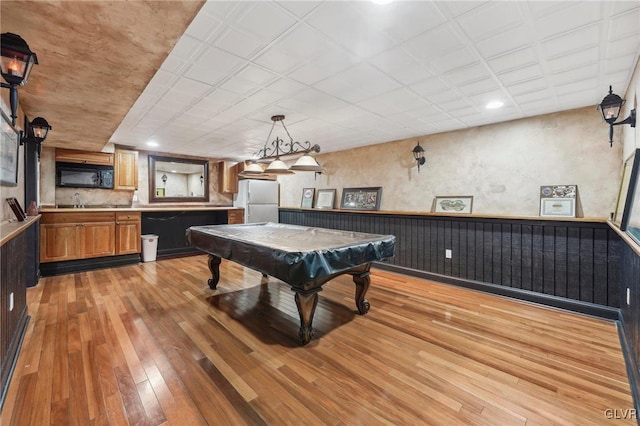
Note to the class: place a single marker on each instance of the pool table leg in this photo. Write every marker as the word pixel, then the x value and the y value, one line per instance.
pixel 306 303
pixel 362 281
pixel 214 267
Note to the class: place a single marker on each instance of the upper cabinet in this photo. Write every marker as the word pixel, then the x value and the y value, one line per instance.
pixel 126 169
pixel 228 177
pixel 84 157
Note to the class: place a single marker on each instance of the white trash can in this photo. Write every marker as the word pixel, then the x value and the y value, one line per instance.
pixel 149 247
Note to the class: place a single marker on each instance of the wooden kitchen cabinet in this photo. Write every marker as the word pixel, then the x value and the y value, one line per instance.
pixel 235 216
pixel 71 236
pixel 84 157
pixel 126 169
pixel 228 177
pixel 128 233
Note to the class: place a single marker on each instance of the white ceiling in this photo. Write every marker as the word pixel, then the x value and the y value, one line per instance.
pixel 354 73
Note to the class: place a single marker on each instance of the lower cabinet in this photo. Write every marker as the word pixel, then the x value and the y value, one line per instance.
pixel 128 233
pixel 84 235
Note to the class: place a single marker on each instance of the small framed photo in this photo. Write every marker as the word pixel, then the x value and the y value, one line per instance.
pixel 9 151
pixel 325 199
pixel 559 207
pixel 307 198
pixel 453 204
pixel 361 198
pixel 159 192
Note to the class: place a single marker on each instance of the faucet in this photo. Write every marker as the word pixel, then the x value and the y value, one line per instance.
pixel 78 203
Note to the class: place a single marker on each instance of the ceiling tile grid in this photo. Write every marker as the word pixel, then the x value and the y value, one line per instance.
pixel 348 69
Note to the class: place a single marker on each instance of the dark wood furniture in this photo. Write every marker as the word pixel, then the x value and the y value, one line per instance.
pixel 304 257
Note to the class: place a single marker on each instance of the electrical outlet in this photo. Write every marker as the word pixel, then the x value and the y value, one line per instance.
pixel 447 253
pixel 11 302
pixel 628 296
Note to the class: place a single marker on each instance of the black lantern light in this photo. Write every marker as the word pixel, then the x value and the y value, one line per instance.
pixel 37 131
pixel 201 180
pixel 418 155
pixel 164 179
pixel 16 61
pixel 610 110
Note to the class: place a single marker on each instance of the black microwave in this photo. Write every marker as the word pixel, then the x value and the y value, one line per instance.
pixel 71 175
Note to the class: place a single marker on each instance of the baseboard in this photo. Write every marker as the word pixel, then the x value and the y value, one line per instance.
pixel 630 361
pixel 72 266
pixel 587 308
pixel 12 355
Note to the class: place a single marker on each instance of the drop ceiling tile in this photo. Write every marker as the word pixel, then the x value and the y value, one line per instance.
pixel 575 87
pixel 623 46
pixel 456 8
pixel 434 43
pixel 464 57
pixel 522 74
pixel 277 61
pixel 239 42
pixel 576 15
pixel 430 86
pixel 525 98
pixel 264 19
pixel 286 87
pixel 481 86
pixel 513 60
pixel 304 42
pixel 376 106
pixel 618 7
pixel 299 8
pixel 401 65
pixel 402 99
pixel 202 26
pixel 572 42
pixel 619 64
pixel 625 25
pixel 357 83
pixel 527 86
pixel 467 74
pixel 576 74
pixel 490 19
pixel 513 39
pixel 190 87
pixel 240 86
pixel 456 105
pixel 187 47
pixel 402 20
pixel 213 66
pixel 582 57
pixel 267 96
pixel 327 64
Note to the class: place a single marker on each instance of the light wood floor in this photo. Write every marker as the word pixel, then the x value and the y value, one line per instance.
pixel 151 344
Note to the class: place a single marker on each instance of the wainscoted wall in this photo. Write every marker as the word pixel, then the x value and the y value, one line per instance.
pixel 630 278
pixel 565 259
pixel 501 165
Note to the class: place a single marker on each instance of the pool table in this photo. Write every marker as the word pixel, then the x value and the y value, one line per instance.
pixel 304 257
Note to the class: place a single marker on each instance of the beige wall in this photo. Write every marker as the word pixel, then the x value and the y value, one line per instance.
pixel 501 165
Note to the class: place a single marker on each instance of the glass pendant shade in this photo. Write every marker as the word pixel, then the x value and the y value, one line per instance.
pixel 252 169
pixel 278 167
pixel 306 163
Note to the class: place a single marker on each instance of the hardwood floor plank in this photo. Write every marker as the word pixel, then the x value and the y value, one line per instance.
pixel 152 344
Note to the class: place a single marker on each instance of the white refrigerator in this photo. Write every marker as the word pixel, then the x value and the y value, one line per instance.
pixel 259 199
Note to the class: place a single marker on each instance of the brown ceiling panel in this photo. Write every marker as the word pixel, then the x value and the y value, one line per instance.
pixel 95 59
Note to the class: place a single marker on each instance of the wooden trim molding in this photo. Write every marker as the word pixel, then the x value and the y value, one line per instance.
pixel 9 230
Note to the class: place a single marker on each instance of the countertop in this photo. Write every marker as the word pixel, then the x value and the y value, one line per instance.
pixel 141 208
pixel 9 230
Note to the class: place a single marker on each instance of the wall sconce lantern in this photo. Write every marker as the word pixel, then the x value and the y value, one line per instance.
pixel 418 155
pixel 37 131
pixel 16 62
pixel 610 110
pixel 164 179
pixel 201 180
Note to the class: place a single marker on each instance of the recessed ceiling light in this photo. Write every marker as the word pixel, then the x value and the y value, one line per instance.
pixel 152 143
pixel 494 104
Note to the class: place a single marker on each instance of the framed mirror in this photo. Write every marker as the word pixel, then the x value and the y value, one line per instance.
pixel 178 179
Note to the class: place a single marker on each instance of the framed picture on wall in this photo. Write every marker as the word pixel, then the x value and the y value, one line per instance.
pixel 561 207
pixel 361 198
pixel 453 204
pixel 623 189
pixel 9 146
pixel 307 198
pixel 631 216
pixel 325 199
